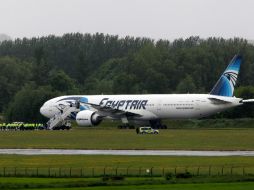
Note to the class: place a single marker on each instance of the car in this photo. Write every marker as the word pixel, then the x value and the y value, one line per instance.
pixel 147 130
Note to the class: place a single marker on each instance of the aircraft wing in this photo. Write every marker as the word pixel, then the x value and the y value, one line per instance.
pixel 108 111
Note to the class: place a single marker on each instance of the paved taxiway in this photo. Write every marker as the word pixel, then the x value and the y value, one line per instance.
pixel 125 152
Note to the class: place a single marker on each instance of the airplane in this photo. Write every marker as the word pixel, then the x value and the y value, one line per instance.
pixel 147 109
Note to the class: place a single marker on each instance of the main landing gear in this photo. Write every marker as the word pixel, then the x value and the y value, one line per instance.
pixel 156 124
pixel 126 126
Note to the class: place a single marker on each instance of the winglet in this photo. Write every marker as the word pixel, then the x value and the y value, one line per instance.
pixel 225 85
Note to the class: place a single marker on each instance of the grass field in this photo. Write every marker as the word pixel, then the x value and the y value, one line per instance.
pixel 121 161
pixel 193 136
pixel 129 183
pixel 82 165
pixel 196 123
pixel 211 123
pixel 207 186
pixel 111 138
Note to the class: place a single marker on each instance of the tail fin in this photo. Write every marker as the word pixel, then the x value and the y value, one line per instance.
pixel 225 85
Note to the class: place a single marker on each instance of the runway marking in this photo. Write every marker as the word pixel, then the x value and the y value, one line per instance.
pixel 125 152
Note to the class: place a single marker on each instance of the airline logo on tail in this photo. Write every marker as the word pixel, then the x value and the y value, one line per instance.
pixel 226 83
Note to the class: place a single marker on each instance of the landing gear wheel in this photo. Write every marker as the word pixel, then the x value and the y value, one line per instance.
pixel 131 127
pixel 126 126
pixel 156 124
pixel 164 127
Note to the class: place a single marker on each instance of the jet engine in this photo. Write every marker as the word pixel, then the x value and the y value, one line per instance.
pixel 88 118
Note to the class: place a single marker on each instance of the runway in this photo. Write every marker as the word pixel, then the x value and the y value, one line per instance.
pixel 125 152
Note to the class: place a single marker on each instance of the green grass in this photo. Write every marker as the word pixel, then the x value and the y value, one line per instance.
pixel 194 135
pixel 128 183
pixel 207 186
pixel 111 138
pixel 211 123
pixel 121 161
pixel 136 165
pixel 196 123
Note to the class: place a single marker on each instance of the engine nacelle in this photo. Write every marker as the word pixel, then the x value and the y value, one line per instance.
pixel 88 118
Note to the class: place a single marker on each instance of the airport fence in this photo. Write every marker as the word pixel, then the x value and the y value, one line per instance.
pixel 125 171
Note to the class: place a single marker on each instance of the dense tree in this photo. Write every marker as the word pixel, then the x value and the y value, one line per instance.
pixel 62 82
pixel 187 85
pixel 104 64
pixel 246 110
pixel 26 103
pixel 13 75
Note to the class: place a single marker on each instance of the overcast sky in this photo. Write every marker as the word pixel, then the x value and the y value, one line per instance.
pixel 167 19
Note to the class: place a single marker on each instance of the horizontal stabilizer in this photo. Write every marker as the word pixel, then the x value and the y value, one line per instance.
pixel 219 101
pixel 248 101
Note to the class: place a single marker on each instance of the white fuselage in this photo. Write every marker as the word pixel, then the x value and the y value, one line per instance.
pixel 152 106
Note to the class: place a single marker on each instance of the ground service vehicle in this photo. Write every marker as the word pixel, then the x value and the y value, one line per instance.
pixel 147 130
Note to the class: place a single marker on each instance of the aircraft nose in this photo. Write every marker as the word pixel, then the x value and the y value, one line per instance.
pixel 43 111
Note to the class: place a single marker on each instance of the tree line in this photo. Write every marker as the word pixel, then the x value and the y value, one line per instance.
pixel 36 69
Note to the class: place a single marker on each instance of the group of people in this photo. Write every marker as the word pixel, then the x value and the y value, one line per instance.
pixel 21 126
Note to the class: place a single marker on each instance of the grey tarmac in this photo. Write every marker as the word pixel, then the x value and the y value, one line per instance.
pixel 125 152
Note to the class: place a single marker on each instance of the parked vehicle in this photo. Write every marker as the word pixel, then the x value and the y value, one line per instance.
pixel 147 130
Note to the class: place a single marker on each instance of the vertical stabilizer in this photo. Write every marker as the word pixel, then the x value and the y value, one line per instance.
pixel 225 85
